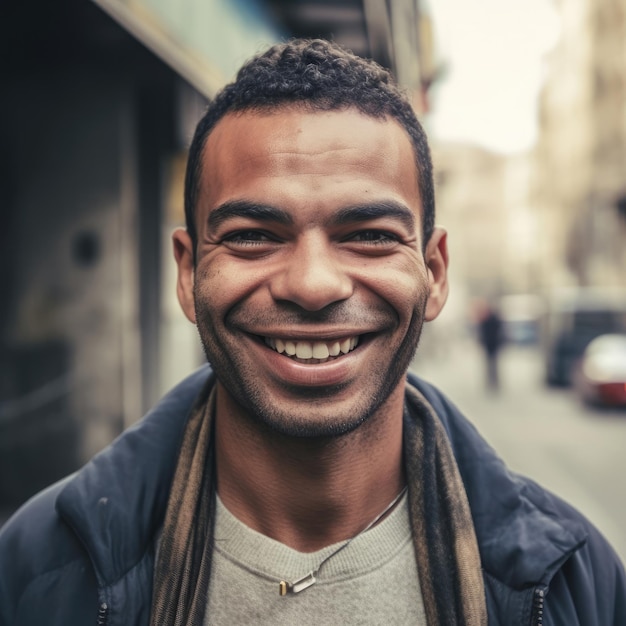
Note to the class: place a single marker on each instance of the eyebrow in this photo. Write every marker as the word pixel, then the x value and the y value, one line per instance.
pixel 247 209
pixel 346 215
pixel 378 210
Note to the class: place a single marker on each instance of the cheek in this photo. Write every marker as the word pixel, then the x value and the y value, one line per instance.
pixel 221 284
pixel 208 290
pixel 403 286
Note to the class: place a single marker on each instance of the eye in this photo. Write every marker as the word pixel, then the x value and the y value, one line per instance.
pixel 374 237
pixel 247 238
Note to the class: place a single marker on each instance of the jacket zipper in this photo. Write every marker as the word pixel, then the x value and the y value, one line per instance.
pixel 538 601
pixel 103 614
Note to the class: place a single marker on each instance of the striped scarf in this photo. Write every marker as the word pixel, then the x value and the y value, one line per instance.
pixel 446 550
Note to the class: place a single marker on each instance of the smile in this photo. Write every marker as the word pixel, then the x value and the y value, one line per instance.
pixel 312 352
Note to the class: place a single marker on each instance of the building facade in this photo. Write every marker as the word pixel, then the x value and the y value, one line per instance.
pixel 580 162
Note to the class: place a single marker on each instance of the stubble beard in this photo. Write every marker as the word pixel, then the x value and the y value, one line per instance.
pixel 239 380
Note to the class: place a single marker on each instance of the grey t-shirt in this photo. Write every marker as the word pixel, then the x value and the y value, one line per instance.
pixel 372 581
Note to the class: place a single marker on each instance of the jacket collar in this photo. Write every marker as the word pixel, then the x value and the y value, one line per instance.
pixel 524 532
pixel 116 503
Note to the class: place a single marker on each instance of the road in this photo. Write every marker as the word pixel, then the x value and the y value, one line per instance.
pixel 544 433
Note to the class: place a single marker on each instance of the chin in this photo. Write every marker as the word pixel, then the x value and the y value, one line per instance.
pixel 313 428
pixel 311 417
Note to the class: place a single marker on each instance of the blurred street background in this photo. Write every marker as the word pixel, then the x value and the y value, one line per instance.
pixel 542 432
pixel 525 106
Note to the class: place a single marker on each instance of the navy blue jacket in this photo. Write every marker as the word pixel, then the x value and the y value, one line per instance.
pixel 82 552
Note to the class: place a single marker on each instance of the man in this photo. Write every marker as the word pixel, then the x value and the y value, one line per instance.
pixel 490 336
pixel 305 479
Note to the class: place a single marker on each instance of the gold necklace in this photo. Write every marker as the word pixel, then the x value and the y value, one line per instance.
pixel 310 579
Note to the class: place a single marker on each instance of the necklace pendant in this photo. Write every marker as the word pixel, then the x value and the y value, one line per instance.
pixel 301 584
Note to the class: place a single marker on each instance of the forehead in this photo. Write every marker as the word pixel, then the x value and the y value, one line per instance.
pixel 292 153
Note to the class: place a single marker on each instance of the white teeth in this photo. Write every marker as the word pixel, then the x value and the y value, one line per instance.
pixel 320 350
pixel 304 350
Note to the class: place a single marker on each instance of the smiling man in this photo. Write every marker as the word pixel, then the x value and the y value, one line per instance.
pixel 303 478
pixel 310 277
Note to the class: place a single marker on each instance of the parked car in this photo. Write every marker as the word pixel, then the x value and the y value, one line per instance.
pixel 600 375
pixel 574 317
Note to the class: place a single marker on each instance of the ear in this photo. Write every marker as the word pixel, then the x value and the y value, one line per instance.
pixel 436 257
pixel 183 253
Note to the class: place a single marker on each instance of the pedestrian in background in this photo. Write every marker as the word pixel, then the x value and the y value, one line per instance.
pixel 491 339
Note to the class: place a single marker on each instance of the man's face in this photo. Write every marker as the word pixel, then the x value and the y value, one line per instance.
pixel 310 287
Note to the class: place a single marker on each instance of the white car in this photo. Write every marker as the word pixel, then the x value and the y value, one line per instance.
pixel 600 375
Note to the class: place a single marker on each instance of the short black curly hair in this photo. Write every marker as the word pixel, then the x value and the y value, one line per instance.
pixel 321 76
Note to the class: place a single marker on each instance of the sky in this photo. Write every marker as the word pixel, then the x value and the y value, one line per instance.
pixel 493 54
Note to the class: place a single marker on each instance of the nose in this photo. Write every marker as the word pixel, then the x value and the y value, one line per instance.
pixel 311 275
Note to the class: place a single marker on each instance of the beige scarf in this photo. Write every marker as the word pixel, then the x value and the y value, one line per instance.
pixel 445 543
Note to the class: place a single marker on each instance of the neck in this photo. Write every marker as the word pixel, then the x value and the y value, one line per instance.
pixel 308 493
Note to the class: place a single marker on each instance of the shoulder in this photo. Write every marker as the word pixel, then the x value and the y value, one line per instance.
pixel 35 529
pixel 590 583
pixel 38 555
pixel 529 536
pixel 57 545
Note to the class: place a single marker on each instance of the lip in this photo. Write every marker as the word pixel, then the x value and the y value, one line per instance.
pixel 309 333
pixel 335 371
